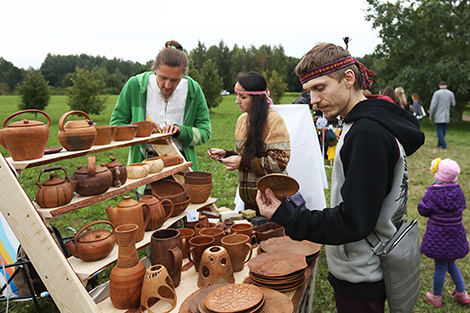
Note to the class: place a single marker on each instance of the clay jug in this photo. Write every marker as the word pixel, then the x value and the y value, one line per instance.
pixel 25 140
pixel 129 211
pixel 215 268
pixel 119 172
pixel 92 245
pixel 127 277
pixel 55 191
pixel 92 179
pixel 165 249
pixel 158 215
pixel 77 135
pixel 157 286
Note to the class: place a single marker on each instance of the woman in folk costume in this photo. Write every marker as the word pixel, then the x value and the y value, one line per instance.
pixel 262 139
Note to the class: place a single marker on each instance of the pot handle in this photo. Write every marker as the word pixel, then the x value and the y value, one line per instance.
pixel 177 258
pixel 63 117
pixel 27 111
pixel 50 169
pixel 172 207
pixel 146 214
pixel 189 256
pixel 91 166
pixel 251 252
pixel 75 238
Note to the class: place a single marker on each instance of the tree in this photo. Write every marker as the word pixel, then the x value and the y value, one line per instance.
pixel 211 84
pixel 276 85
pixel 34 91
pixel 10 76
pixel 84 94
pixel 424 42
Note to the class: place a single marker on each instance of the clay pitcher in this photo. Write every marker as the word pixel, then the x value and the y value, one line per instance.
pixel 127 277
pixel 158 215
pixel 77 135
pixel 165 249
pixel 55 191
pixel 129 211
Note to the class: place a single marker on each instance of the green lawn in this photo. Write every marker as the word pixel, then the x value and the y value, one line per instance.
pixel 223 119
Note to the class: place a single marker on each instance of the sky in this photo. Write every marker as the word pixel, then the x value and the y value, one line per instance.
pixel 136 30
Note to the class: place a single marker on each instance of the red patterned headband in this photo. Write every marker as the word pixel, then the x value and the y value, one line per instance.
pixel 337 65
pixel 256 93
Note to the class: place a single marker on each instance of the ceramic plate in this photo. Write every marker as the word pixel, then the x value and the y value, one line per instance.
pixel 50 150
pixel 234 298
pixel 282 185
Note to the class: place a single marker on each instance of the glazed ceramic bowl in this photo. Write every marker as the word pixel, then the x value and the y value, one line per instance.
pixel 144 128
pixel 197 177
pixel 169 189
pixel 137 170
pixel 125 132
pixel 104 134
pixel 179 207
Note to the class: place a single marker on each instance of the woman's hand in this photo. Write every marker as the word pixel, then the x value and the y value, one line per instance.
pixel 267 203
pixel 156 128
pixel 232 162
pixel 171 129
pixel 215 153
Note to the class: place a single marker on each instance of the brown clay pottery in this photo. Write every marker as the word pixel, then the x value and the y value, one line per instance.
pixel 215 232
pixel 198 193
pixel 157 286
pixel 185 235
pixel 203 225
pixel 287 245
pixel 144 128
pixel 282 185
pixel 179 207
pixel 215 267
pixel 277 264
pixel 25 140
pixel 76 135
pixel 127 277
pixel 234 298
pixel 165 249
pixel 169 189
pixel 239 249
pixel 202 218
pixel 169 160
pixel 125 132
pixel 104 134
pixel 55 191
pixel 155 164
pixel 119 171
pixel 268 230
pixel 130 211
pixel 92 245
pixel 198 178
pixel 197 245
pixel 137 170
pixel 157 212
pixel 92 179
pixel 242 228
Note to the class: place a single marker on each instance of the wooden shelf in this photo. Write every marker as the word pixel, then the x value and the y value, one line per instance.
pixel 83 201
pixel 84 270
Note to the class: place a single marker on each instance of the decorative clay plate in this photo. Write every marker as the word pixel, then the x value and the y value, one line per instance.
pixel 287 245
pixel 234 298
pixel 282 185
pixel 274 264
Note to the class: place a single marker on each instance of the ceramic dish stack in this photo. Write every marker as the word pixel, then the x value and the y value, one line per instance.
pixel 285 244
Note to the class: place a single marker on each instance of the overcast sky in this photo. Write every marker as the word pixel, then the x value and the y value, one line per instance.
pixel 136 30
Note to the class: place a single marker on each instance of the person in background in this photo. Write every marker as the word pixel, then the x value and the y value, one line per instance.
pixel 439 110
pixel 417 106
pixel 401 97
pixel 304 98
pixel 369 179
pixel 262 139
pixel 174 102
pixel 445 239
pixel 389 92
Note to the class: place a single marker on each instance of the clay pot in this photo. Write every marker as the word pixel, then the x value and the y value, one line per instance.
pixel 198 193
pixel 268 230
pixel 185 235
pixel 55 191
pixel 76 135
pixel 130 211
pixel 125 132
pixel 169 189
pixel 92 245
pixel 144 128
pixel 157 285
pixel 157 212
pixel 215 232
pixel 238 247
pixel 165 249
pixel 119 171
pixel 197 245
pixel 127 277
pixel 25 140
pixel 92 179
pixel 198 178
pixel 178 208
pixel 215 268
pixel 137 170
pixel 155 164
pixel 104 134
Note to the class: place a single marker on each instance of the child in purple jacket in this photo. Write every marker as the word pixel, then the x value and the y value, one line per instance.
pixel 445 240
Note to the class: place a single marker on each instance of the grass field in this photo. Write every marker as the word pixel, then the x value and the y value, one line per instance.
pixel 223 119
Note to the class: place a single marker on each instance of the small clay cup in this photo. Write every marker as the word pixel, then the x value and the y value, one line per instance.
pixel 238 247
pixel 104 134
pixel 125 132
pixel 144 128
pixel 165 249
pixel 137 170
pixel 242 228
pixel 197 245
pixel 185 234
pixel 217 233
pixel 200 226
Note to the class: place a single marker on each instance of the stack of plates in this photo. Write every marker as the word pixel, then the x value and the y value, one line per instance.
pixel 286 245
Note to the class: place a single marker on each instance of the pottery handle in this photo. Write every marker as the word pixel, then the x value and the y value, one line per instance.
pixel 117 175
pixel 63 117
pixel 189 256
pixel 147 214
pixel 177 259
pixel 27 111
pixel 172 208
pixel 251 252
pixel 75 238
pixel 53 168
pixel 91 166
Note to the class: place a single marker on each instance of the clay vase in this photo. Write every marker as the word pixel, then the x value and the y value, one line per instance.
pixel 157 286
pixel 197 245
pixel 77 135
pixel 158 214
pixel 92 179
pixel 127 277
pixel 55 191
pixel 25 140
pixel 215 268
pixel 238 247
pixel 119 171
pixel 185 235
pixel 165 249
pixel 215 232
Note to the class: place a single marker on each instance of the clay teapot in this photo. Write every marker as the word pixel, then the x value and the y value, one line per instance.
pixel 92 179
pixel 92 245
pixel 25 140
pixel 158 214
pixel 129 211
pixel 77 135
pixel 119 172
pixel 56 191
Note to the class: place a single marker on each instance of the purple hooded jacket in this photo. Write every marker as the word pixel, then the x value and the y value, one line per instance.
pixel 445 237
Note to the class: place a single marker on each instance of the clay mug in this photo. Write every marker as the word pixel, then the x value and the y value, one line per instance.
pixel 242 228
pixel 239 249
pixel 185 234
pixel 217 233
pixel 157 212
pixel 202 225
pixel 165 249
pixel 197 245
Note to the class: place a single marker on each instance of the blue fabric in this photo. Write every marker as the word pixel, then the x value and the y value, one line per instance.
pixel 441 267
pixel 441 129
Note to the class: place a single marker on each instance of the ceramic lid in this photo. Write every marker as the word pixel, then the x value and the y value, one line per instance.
pixel 94 235
pixel 78 124
pixel 54 180
pixel 114 163
pixel 127 202
pixel 26 123
pixel 98 169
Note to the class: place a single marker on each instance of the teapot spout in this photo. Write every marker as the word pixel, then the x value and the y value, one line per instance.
pixel 112 214
pixel 72 248
pixel 2 142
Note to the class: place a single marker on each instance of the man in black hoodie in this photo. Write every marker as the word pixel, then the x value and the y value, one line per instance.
pixel 369 180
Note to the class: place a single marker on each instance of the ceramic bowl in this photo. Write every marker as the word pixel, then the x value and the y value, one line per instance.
pixel 268 230
pixel 144 128
pixel 179 207
pixel 197 177
pixel 169 189
pixel 104 134
pixel 125 132
pixel 137 170
pixel 156 164
pixel 199 193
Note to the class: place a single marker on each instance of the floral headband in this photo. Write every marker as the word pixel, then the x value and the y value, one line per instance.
pixel 337 65
pixel 256 93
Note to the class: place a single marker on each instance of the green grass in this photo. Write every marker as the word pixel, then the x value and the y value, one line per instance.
pixel 223 119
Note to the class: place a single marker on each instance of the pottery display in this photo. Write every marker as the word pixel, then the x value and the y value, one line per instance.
pixel 25 140
pixel 158 214
pixel 155 164
pixel 282 185
pixel 239 249
pixel 144 128
pixel 215 267
pixel 169 189
pixel 199 193
pixel 104 134
pixel 92 245
pixel 125 132
pixel 234 298
pixel 137 170
pixel 215 232
pixel 157 286
pixel 197 245
pixel 185 235
pixel 165 249
pixel 55 191
pixel 129 211
pixel 198 178
pixel 78 134
pixel 119 171
pixel 127 276
pixel 92 179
